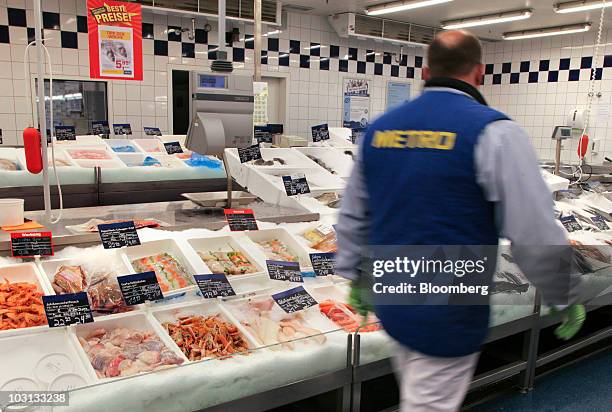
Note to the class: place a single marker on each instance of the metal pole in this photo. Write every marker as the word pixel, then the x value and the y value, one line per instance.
pixel 222 12
pixel 42 115
pixel 558 157
pixel 257 40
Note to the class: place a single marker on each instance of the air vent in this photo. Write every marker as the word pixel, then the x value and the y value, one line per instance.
pixel 235 9
pixel 297 8
pixel 360 26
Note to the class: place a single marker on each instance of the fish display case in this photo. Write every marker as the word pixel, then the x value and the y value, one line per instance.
pixel 241 352
pixel 94 171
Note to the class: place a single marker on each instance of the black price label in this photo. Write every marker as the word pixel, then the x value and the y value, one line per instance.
pixel 357 135
pixel 294 300
pixel 320 132
pixel 152 131
pixel 173 147
pixel 140 288
pixel 118 235
pixel 280 270
pixel 30 244
pixel 69 309
pixel 570 223
pixel 63 133
pixel 247 154
pixel 600 223
pixel 296 184
pixel 262 134
pixel 240 219
pixel 323 263
pixel 1 140
pixel 122 129
pixel 214 285
pixel 275 128
pixel 100 128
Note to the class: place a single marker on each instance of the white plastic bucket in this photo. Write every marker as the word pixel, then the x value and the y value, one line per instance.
pixel 11 212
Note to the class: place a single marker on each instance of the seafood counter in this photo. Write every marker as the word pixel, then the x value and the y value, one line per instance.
pixel 186 352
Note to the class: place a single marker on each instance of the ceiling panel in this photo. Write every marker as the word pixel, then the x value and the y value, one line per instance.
pixel 543 15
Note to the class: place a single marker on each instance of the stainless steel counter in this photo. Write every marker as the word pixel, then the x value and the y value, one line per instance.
pixel 179 215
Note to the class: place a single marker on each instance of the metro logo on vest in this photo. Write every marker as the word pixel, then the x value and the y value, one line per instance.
pixel 414 139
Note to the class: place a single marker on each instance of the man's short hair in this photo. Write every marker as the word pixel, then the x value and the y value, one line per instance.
pixel 453 58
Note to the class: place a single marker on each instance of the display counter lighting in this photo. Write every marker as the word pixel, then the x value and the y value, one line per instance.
pixel 581 5
pixel 548 31
pixel 397 6
pixel 494 18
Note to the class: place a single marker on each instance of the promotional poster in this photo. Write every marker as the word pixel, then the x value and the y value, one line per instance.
pixel 115 40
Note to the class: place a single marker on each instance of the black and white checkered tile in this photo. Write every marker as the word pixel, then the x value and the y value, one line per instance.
pixel 279 52
pixel 544 71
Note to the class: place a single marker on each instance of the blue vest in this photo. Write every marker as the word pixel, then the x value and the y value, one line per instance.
pixel 420 176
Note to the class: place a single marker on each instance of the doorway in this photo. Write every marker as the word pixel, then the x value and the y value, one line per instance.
pixel 180 101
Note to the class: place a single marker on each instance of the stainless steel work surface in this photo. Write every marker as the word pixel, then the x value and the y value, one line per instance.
pixel 179 215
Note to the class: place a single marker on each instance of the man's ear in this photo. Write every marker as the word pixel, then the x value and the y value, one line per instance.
pixel 426 73
pixel 479 72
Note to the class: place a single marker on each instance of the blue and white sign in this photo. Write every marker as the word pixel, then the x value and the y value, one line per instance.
pixel 356 103
pixel 397 93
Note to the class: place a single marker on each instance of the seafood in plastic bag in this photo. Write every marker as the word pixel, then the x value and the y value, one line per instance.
pixel 170 274
pixel 69 279
pixel 228 262
pixel 125 352
pixel 203 337
pixel 346 317
pixel 276 250
pixel 6 164
pixel 322 238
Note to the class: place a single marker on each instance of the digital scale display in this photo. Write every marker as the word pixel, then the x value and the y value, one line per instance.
pixel 213 82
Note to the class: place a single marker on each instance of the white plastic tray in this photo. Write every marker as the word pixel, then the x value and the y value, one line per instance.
pixel 134 320
pixel 201 308
pixel 159 246
pixel 284 236
pixel 334 159
pixel 151 145
pixel 10 154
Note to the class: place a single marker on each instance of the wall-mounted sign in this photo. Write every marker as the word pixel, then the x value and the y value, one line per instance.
pixel 397 93
pixel 115 40
pixel 355 103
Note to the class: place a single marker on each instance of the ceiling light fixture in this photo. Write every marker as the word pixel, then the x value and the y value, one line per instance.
pixel 397 6
pixel 581 5
pixel 548 31
pixel 487 19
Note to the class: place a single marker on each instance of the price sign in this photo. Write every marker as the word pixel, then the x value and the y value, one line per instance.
pixel 100 128
pixel 320 132
pixel 296 184
pixel 152 131
pixel 247 154
pixel 173 147
pixel 570 223
pixel 214 285
pixel 122 129
pixel 294 300
pixel 600 223
pixel 30 244
pixel 280 270
pixel 240 219
pixel 1 140
pixel 323 263
pixel 262 134
pixel 140 288
pixel 118 235
pixel 69 309
pixel 275 128
pixel 63 133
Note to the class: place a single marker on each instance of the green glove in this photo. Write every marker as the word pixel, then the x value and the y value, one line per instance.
pixel 573 318
pixel 359 300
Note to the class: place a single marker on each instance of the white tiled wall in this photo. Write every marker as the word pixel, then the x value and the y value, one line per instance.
pixel 313 95
pixel 540 106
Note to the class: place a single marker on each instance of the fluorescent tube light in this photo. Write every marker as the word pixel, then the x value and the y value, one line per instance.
pixel 487 19
pixel 548 31
pixel 581 5
pixel 397 6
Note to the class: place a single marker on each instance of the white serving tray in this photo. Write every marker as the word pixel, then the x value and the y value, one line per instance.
pixel 132 320
pixel 203 308
pixel 280 233
pixel 334 159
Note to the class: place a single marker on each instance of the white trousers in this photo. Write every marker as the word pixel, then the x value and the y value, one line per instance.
pixel 432 384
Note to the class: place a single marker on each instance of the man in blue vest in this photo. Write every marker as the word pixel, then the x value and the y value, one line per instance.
pixel 445 169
